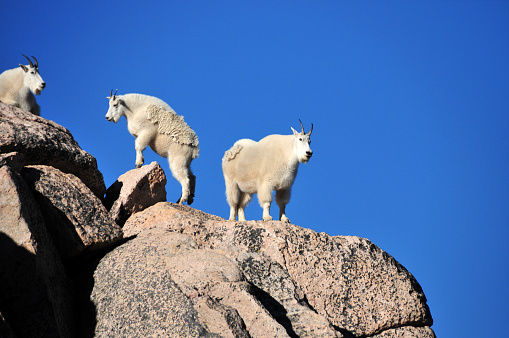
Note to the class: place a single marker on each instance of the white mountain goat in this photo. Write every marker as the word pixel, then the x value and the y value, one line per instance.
pixel 154 123
pixel 251 167
pixel 18 84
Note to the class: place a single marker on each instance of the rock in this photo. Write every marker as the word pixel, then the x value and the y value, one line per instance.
pixel 134 293
pixel 14 160
pixel 76 218
pixel 66 271
pixel 35 296
pixel 134 191
pixel 5 328
pixel 277 291
pixel 407 332
pixel 204 287
pixel 348 280
pixel 214 282
pixel 44 142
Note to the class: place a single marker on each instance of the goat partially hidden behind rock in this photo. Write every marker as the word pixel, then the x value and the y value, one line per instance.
pixel 154 123
pixel 18 84
pixel 251 167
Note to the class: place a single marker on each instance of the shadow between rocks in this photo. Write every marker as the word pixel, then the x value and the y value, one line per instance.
pixel 23 297
pixel 81 271
pixel 112 194
pixel 344 332
pixel 275 308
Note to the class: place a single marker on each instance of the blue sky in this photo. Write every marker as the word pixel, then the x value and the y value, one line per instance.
pixel 409 101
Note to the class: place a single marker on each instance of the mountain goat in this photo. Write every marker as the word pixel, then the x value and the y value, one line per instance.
pixel 154 123
pixel 251 167
pixel 18 84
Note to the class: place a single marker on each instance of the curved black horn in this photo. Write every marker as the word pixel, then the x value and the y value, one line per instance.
pixel 29 61
pixel 114 95
pixel 310 129
pixel 111 92
pixel 36 63
pixel 301 126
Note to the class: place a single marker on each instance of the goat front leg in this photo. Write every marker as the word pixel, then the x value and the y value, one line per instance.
pixel 139 145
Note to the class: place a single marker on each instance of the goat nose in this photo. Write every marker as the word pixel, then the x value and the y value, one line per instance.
pixel 43 85
pixel 309 153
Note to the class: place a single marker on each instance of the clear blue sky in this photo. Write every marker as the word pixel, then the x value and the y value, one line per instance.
pixel 409 101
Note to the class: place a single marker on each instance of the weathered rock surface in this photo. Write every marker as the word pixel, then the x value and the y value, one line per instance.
pixel 407 332
pixel 65 271
pixel 75 217
pixel 14 160
pixel 349 281
pixel 134 191
pixel 44 142
pixel 134 293
pixel 34 293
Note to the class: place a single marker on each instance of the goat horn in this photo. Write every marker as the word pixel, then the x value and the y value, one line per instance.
pixel 36 63
pixel 310 129
pixel 111 92
pixel 301 126
pixel 29 61
pixel 114 95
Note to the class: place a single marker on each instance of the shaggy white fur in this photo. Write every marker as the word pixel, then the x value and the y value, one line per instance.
pixel 154 123
pixel 172 124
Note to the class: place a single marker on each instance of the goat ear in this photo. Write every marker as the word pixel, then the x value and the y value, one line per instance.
pixel 23 67
pixel 294 131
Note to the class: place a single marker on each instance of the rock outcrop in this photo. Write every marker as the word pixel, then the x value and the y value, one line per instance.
pixel 44 142
pixel 47 218
pixel 351 283
pixel 140 266
pixel 134 191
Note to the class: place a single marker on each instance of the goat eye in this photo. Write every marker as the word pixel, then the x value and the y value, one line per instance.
pixel 300 138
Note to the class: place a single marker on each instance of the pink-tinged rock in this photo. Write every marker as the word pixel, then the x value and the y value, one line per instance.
pixel 161 282
pixel 213 281
pixel 76 218
pixel 35 295
pixel 136 190
pixel 45 142
pixel 135 293
pixel 348 280
pixel 14 160
pixel 407 332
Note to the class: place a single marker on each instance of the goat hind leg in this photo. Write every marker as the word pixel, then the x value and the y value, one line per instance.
pixel 282 199
pixel 244 200
pixel 232 197
pixel 182 173
pixel 265 199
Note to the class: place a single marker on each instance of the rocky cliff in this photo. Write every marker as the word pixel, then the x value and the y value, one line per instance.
pixel 79 261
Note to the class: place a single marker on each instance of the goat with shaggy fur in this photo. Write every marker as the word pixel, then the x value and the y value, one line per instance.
pixel 18 84
pixel 154 123
pixel 261 167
